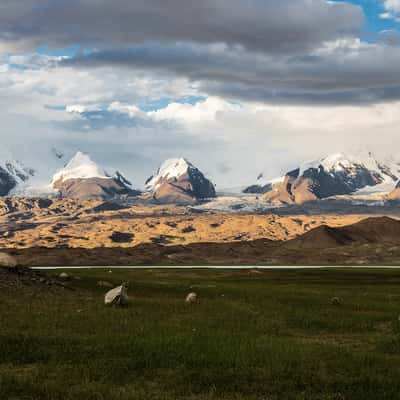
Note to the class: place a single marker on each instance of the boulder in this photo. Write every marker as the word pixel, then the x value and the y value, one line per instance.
pixel 191 298
pixel 335 301
pixel 117 296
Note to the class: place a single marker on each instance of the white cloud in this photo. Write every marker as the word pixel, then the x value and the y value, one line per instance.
pixel 392 5
pixel 231 142
pixel 392 8
pixel 203 111
pixel 81 108
pixel 130 109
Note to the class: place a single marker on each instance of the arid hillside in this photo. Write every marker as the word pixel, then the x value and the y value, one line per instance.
pixel 52 223
pixel 373 241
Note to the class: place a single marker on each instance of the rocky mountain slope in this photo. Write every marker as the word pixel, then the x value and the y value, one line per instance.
pixel 180 182
pixel 12 173
pixel 262 185
pixel 394 195
pixel 82 178
pixel 337 174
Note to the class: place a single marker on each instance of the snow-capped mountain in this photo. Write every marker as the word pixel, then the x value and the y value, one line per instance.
pixel 81 177
pixel 336 174
pixel 179 181
pixel 13 173
pixel 81 166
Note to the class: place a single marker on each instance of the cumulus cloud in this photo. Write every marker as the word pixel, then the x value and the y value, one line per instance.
pixel 392 8
pixel 210 109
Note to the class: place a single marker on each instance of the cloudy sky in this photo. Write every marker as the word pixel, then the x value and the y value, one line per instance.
pixel 238 87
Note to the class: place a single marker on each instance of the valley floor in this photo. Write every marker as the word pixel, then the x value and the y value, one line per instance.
pixel 52 223
pixel 253 335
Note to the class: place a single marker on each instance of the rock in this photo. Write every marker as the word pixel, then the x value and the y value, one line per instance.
pixel 104 284
pixel 191 298
pixel 117 296
pixel 7 261
pixel 335 301
pixel 255 272
pixel 64 276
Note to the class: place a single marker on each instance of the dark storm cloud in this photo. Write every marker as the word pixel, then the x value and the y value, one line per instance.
pixel 267 25
pixel 351 73
pixel 263 50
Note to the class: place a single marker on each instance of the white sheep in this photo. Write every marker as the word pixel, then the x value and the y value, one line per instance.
pixel 191 298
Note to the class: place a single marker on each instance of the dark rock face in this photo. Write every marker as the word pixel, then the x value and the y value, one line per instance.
pixel 93 188
pixel 12 173
pixel 201 187
pixel 345 182
pixel 258 189
pixel 262 186
pixel 7 182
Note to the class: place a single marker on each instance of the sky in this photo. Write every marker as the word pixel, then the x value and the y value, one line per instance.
pixel 238 87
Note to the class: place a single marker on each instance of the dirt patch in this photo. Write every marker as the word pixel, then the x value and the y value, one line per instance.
pixel 122 237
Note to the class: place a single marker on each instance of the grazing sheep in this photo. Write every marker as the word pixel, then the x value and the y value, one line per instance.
pixel 191 298
pixel 117 296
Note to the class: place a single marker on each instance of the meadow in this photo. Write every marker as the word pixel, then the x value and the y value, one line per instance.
pixel 269 334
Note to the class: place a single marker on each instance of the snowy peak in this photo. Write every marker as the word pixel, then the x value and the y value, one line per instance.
pixel 12 173
pixel 388 170
pixel 179 181
pixel 81 166
pixel 82 178
pixel 172 168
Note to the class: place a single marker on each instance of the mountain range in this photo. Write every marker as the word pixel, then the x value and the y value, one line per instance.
pixel 335 175
pixel 178 181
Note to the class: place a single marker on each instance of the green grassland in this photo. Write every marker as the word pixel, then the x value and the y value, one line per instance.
pixel 253 335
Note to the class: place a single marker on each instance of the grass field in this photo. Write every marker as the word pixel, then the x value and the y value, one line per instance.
pixel 253 335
